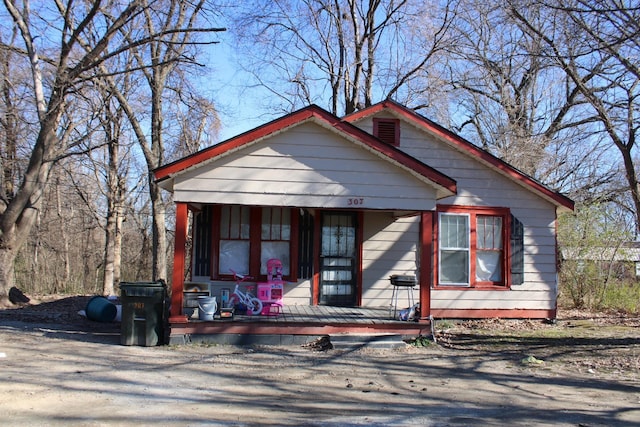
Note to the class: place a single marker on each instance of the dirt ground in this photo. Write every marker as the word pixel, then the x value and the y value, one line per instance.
pixel 60 369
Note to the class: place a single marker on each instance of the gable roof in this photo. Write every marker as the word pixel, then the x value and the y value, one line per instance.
pixel 464 146
pixel 444 184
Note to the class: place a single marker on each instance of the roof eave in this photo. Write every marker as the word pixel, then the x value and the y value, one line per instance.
pixel 444 185
pixel 562 202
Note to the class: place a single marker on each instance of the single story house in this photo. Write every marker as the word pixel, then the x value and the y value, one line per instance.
pixel 621 259
pixel 346 203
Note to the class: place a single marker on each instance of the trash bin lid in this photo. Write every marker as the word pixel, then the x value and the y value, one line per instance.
pixel 141 289
pixel 142 284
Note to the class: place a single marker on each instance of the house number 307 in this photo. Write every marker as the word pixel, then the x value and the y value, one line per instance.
pixel 355 201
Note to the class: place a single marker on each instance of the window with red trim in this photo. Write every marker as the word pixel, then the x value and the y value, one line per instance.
pixel 234 244
pixel 275 239
pixel 247 237
pixel 473 244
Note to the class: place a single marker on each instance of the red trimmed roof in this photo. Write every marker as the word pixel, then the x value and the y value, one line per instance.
pixel 464 146
pixel 311 112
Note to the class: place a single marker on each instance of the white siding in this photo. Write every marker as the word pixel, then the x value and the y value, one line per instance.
pixel 479 185
pixel 307 166
pixel 298 293
pixel 389 247
pixel 492 300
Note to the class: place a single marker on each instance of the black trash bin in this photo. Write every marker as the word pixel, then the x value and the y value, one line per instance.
pixel 143 313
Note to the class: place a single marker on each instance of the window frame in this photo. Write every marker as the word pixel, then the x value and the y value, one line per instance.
pixel 276 228
pixel 238 224
pixel 473 213
pixel 466 250
pixel 255 243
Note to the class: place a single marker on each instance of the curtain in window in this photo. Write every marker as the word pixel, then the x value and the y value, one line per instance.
pixel 489 248
pixel 488 266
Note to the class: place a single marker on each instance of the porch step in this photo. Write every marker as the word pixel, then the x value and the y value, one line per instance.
pixel 357 341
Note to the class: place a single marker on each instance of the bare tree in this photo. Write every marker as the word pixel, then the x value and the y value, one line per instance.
pixel 108 169
pixel 62 253
pixel 116 192
pixel 342 54
pixel 9 120
pixel 515 103
pixel 65 45
pixel 198 124
pixel 64 72
pixel 157 60
pixel 595 44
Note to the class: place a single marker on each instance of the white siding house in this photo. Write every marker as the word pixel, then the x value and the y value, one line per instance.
pixel 347 203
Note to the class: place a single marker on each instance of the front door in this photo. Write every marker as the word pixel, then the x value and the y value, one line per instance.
pixel 338 259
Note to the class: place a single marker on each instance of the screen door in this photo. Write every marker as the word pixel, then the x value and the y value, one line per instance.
pixel 338 260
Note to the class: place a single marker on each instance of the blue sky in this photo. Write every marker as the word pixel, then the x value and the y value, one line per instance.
pixel 227 85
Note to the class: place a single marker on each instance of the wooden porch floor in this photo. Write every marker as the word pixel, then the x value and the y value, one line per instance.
pixel 326 314
pixel 303 320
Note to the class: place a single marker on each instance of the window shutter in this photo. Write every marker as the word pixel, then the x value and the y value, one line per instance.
pixel 517 251
pixel 387 130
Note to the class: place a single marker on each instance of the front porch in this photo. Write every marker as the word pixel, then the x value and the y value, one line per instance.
pixel 298 324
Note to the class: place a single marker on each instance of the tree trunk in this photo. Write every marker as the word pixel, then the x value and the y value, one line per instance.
pixel 117 253
pixel 7 258
pixel 21 214
pixel 109 254
pixel 115 199
pixel 159 235
pixel 113 243
pixel 61 284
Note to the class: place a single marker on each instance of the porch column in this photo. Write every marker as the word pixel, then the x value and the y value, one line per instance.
pixel 426 267
pixel 177 282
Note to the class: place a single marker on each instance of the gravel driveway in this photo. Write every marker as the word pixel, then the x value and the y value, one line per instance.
pixel 73 374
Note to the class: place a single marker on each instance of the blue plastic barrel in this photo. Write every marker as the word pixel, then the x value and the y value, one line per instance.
pixel 101 309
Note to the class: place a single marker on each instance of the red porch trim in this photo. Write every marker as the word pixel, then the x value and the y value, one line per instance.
pixel 359 242
pixel 426 267
pixel 315 280
pixel 557 257
pixel 452 313
pixel 463 145
pixel 177 280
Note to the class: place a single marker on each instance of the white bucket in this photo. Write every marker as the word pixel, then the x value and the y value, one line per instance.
pixel 207 307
